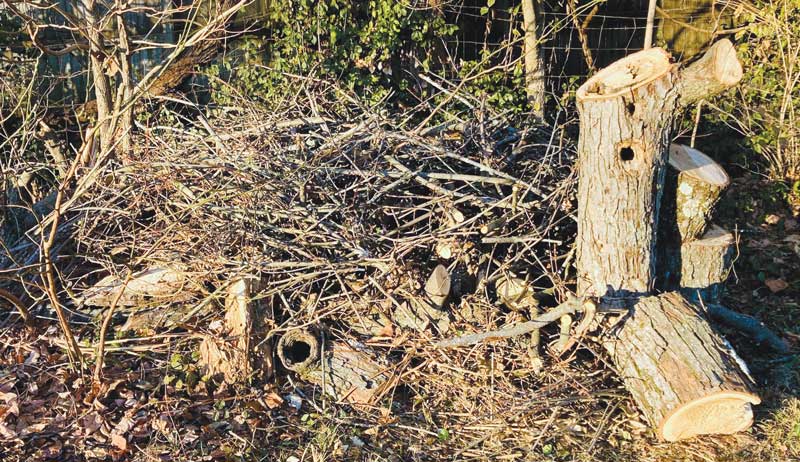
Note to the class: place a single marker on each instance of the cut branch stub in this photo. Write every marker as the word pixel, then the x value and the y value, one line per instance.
pixel 625 115
pixel 685 378
pixel 693 186
pixel 716 71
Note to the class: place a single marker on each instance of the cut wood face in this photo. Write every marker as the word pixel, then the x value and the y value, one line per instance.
pixel 716 236
pixel 727 68
pixel 722 413
pixel 692 162
pixel 626 74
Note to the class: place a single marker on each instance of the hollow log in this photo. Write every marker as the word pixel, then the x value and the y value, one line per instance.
pixel 700 268
pixel 693 185
pixel 345 371
pixel 685 378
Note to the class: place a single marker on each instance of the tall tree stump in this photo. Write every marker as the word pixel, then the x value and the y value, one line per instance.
pixel 625 115
pixel 686 379
pixel 626 112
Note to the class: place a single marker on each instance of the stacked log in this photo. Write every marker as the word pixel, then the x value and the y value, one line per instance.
pixel 685 378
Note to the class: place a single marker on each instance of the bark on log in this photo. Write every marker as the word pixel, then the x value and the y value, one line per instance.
pixel 625 114
pixel 686 379
pixel 346 372
pixel 700 268
pixel 692 188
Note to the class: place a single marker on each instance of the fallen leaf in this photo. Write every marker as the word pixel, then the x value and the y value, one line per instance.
pixel 52 451
pixel 772 219
pixel 91 423
pixel 776 285
pixel 273 400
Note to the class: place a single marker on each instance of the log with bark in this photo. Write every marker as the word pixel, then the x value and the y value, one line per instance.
pixel 626 112
pixel 686 379
pixel 345 371
pixel 699 268
pixel 693 186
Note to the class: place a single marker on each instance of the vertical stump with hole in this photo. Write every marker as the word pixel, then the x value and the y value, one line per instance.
pixel 670 359
pixel 625 115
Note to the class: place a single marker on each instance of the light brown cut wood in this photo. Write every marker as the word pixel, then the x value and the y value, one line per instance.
pixel 692 188
pixel 716 71
pixel 625 114
pixel 237 351
pixel 685 378
pixel 151 286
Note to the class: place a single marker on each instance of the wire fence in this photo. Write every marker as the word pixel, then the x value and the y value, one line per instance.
pixel 574 37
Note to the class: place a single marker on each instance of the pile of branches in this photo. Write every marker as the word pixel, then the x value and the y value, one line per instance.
pixel 347 212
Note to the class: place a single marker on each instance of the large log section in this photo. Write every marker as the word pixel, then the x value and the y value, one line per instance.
pixel 676 367
pixel 685 378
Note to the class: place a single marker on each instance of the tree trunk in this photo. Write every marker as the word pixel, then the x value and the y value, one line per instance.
pixel 534 64
pixel 626 112
pixel 686 379
pixel 693 186
pixel 625 115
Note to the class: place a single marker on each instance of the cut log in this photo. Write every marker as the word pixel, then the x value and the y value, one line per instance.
pixel 625 115
pixel 298 350
pixel 152 286
pixel 346 372
pixel 700 268
pixel 692 188
pixel 684 377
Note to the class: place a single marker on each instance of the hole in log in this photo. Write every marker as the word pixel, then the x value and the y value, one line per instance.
pixel 631 108
pixel 298 349
pixel 626 153
pixel 296 352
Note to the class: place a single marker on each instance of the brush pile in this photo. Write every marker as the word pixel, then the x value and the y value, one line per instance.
pixel 337 225
pixel 294 253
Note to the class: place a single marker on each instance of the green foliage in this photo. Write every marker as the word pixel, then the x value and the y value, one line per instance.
pixel 374 49
pixel 764 106
pixel 355 43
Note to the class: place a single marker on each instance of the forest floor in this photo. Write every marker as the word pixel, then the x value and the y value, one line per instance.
pixel 492 402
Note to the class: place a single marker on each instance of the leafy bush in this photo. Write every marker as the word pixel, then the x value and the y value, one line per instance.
pixel 764 106
pixel 376 49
